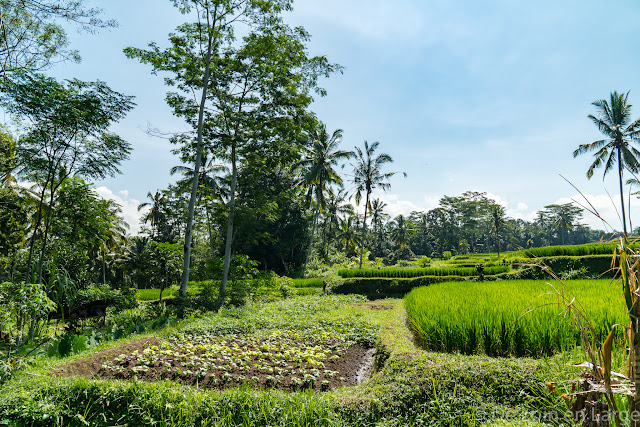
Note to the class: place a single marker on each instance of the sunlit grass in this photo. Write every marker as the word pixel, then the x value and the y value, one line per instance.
pixel 487 317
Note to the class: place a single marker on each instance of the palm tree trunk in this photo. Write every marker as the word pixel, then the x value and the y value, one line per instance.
pixel 624 218
pixel 364 229
pixel 196 174
pixel 313 231
pixel 227 245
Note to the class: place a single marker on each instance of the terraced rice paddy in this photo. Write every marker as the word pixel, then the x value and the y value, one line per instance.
pixel 406 273
pixel 577 250
pixel 487 317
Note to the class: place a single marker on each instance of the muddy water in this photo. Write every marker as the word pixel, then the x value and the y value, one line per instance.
pixel 366 368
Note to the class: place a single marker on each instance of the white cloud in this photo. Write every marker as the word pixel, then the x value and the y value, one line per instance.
pixel 607 206
pixel 499 200
pixel 129 207
pixel 396 206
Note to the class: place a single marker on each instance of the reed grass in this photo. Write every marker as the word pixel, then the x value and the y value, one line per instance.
pixel 487 317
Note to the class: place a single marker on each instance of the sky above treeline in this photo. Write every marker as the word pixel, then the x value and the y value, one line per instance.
pixel 488 96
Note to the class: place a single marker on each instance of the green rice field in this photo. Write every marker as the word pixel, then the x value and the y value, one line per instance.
pixel 487 317
pixel 154 294
pixel 577 250
pixel 406 273
pixel 315 282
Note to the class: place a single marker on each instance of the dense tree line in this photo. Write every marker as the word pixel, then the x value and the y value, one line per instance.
pixel 469 223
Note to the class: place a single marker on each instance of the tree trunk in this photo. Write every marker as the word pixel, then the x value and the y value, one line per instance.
pixel 104 269
pixel 624 218
pixel 313 230
pixel 229 238
pixel 35 230
pixel 196 174
pixel 364 229
pixel 40 269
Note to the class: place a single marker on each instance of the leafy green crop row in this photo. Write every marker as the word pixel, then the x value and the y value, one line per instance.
pixel 418 272
pixel 485 317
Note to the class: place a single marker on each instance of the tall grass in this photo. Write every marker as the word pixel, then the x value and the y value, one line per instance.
pixel 485 317
pixel 407 273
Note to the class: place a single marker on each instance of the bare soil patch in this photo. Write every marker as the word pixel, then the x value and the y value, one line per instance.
pixel 229 362
pixel 375 306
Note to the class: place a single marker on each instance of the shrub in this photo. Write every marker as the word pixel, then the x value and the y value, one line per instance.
pixel 424 261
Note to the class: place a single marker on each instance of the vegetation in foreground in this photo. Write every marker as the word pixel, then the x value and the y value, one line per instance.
pixel 410 387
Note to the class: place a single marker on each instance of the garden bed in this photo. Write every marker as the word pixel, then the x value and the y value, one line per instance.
pixel 215 362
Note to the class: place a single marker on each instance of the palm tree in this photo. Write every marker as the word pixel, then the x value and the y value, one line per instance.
pixel 210 177
pixel 614 121
pixel 367 176
pixel 318 173
pixel 155 214
pixel 401 231
pixel 378 217
pixel 211 185
pixel 348 235
pixel 498 218
pixel 377 213
pixel 336 207
pixel 562 218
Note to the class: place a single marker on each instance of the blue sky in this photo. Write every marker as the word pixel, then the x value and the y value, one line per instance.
pixel 489 96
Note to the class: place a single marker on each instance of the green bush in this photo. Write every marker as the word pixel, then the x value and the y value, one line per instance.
pixel 424 261
pixel 384 287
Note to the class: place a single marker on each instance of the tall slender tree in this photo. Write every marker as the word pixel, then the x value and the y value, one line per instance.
pixel 319 174
pixel 190 58
pixel 258 90
pixel 498 218
pixel 367 176
pixel 614 121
